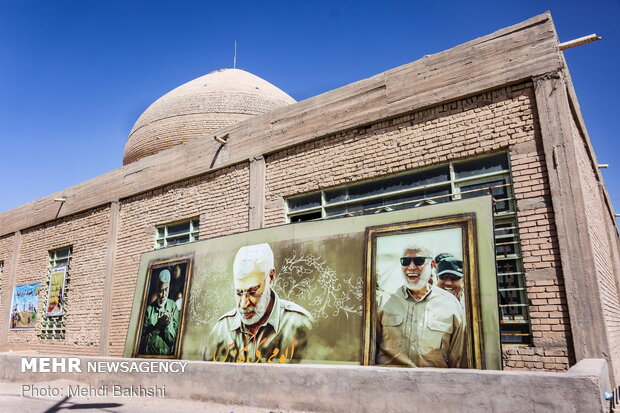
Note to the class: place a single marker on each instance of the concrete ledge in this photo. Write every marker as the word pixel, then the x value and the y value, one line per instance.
pixel 326 388
pixel 596 369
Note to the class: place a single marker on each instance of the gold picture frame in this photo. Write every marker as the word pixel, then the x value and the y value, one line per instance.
pixel 180 270
pixel 466 223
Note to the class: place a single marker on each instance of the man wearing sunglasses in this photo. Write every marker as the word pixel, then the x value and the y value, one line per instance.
pixel 419 325
pixel 450 276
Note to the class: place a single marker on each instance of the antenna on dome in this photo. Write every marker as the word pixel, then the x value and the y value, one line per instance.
pixel 235 58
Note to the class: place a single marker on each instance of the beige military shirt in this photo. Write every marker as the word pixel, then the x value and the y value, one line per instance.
pixel 282 338
pixel 429 332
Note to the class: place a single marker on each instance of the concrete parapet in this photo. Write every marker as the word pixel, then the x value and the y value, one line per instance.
pixel 327 388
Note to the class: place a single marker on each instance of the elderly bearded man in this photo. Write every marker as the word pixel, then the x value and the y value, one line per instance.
pixel 420 325
pixel 262 327
pixel 159 330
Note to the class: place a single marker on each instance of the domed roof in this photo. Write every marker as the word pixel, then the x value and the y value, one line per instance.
pixel 200 107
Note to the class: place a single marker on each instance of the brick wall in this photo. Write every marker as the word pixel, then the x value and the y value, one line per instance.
pixel 541 260
pixel 604 247
pixel 503 119
pixel 460 129
pixel 87 234
pixel 220 199
pixel 6 290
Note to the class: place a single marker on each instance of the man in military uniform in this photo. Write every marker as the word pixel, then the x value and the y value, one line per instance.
pixel 262 327
pixel 450 277
pixel 161 321
pixel 420 325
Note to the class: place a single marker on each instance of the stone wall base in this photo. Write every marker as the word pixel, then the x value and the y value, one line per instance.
pixel 326 388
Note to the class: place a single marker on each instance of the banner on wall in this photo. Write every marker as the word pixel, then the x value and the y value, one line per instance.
pixel 56 291
pixel 414 287
pixel 162 314
pixel 24 306
pixel 425 301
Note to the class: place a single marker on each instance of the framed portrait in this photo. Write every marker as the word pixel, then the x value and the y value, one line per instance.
pixel 24 306
pixel 310 290
pixel 163 306
pixel 423 294
pixel 56 292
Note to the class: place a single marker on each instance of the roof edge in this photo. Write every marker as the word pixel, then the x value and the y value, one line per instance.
pixel 407 88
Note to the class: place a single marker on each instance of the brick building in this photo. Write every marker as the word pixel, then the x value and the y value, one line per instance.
pixel 229 152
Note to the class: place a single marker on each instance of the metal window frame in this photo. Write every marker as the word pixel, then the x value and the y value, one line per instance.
pixel 54 327
pixel 54 259
pixel 452 181
pixel 455 189
pixel 193 232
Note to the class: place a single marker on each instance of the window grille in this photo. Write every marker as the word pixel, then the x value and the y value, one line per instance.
pixel 175 233
pixel 54 327
pixel 442 183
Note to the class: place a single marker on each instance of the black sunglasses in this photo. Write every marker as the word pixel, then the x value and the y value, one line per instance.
pixel 418 261
pixel 449 276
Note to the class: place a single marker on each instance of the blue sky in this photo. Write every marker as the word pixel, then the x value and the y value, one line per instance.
pixel 75 75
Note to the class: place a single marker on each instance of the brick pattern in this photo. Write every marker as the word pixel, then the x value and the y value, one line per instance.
pixel 87 234
pixel 460 129
pixel 535 358
pixel 541 260
pixel 201 107
pixel 168 132
pixel 551 348
pixel 502 119
pixel 537 233
pixel 605 255
pixel 220 199
pixel 6 290
pixel 549 310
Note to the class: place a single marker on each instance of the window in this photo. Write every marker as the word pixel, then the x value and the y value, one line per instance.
pixel 53 327
pixel 442 183
pixel 60 257
pixel 176 233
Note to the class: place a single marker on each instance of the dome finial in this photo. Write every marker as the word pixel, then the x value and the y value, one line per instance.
pixel 235 58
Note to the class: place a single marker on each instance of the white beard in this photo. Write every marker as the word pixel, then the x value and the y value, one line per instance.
pixel 260 308
pixel 425 274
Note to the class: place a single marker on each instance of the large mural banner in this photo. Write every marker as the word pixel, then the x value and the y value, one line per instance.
pixel 24 306
pixel 414 287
